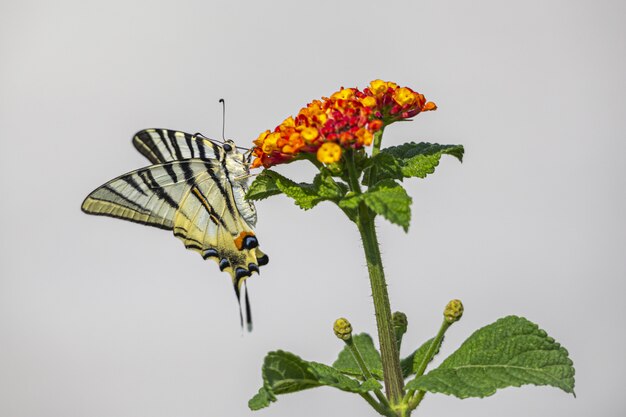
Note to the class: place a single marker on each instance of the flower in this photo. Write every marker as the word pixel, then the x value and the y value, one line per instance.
pixel 348 119
pixel 329 153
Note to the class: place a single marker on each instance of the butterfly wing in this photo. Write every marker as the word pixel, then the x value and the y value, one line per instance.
pixel 164 145
pixel 194 199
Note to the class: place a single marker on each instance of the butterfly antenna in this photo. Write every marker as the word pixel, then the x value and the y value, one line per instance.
pixel 248 309
pixel 224 124
pixel 223 117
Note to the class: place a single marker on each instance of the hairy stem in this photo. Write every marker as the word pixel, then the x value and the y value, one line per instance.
pixel 386 334
pixel 394 383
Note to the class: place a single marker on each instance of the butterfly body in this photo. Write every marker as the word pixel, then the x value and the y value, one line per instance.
pixel 196 188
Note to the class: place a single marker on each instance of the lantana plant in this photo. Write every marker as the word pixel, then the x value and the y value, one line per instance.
pixel 342 136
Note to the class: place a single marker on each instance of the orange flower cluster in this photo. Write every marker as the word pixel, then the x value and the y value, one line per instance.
pixel 347 120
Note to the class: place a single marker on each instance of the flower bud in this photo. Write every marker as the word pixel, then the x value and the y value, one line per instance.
pixel 453 311
pixel 400 323
pixel 343 329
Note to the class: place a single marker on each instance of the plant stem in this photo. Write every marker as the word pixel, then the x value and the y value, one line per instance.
pixel 378 138
pixel 386 335
pixel 432 350
pixel 377 406
pixel 394 383
pixel 366 372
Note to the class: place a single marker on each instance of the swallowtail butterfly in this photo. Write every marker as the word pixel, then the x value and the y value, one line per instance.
pixel 196 188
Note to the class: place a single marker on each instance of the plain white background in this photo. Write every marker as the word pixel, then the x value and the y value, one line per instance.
pixel 104 318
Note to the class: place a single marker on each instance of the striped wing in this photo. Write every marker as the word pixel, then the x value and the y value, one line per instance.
pixel 164 145
pixel 194 199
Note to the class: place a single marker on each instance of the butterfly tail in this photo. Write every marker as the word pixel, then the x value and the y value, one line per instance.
pixel 248 309
pixel 247 306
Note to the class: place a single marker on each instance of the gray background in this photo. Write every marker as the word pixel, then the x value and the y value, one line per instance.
pixel 100 317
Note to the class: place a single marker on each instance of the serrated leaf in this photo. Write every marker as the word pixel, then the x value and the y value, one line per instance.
pixel 410 363
pixel 327 187
pixel 303 194
pixel 284 373
pixel 350 204
pixel 382 166
pixel 262 187
pixel 389 199
pixel 421 159
pixel 331 377
pixel 508 353
pixel 346 363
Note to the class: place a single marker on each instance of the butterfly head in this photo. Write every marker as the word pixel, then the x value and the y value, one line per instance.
pixel 229 146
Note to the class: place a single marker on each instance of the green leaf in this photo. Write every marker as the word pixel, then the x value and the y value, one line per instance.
pixel 261 400
pixel 382 166
pixel 389 199
pixel 327 188
pixel 346 363
pixel 410 363
pixel 305 195
pixel 508 353
pixel 331 377
pixel 350 204
pixel 421 159
pixel 262 187
pixel 284 373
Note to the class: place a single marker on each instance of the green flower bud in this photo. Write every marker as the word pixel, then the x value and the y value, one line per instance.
pixel 343 329
pixel 453 311
pixel 400 323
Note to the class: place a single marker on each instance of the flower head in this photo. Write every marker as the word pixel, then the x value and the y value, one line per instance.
pixel 348 119
pixel 342 329
pixel 453 311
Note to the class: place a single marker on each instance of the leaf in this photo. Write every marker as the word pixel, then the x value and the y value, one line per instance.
pixel 508 353
pixel 327 188
pixel 421 159
pixel 272 183
pixel 331 377
pixel 410 363
pixel 284 373
pixel 305 195
pixel 383 166
pixel 262 187
pixel 346 363
pixel 350 205
pixel 389 199
pixel 261 400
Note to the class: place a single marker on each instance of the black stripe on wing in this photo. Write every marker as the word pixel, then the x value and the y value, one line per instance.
pixel 150 195
pixel 165 145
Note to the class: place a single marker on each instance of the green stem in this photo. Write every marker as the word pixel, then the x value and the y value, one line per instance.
pixel 377 406
pixel 394 382
pixel 415 402
pixel 366 372
pixel 432 350
pixel 378 138
pixel 353 177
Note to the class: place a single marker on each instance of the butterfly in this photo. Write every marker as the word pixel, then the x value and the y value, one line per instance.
pixel 196 188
